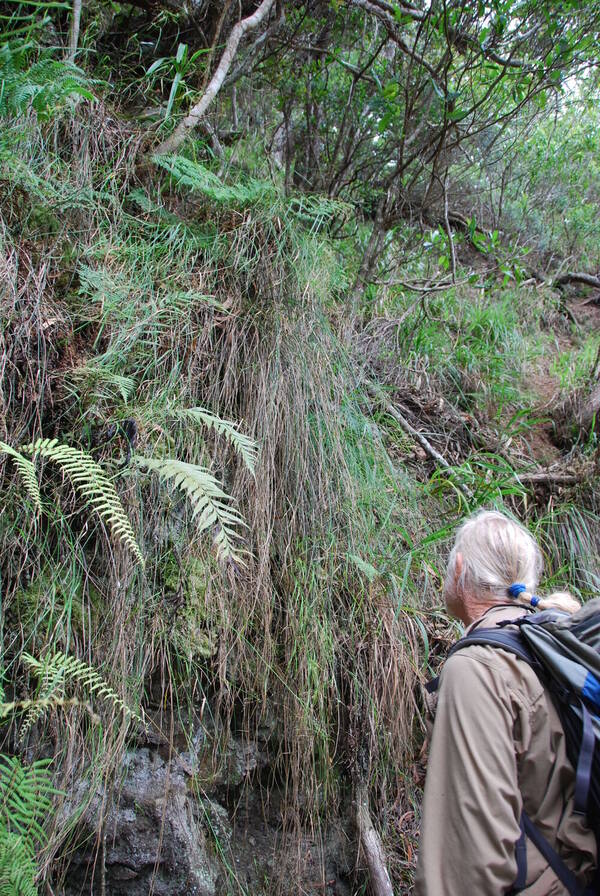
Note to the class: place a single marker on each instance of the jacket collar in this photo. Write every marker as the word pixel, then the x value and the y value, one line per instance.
pixel 499 613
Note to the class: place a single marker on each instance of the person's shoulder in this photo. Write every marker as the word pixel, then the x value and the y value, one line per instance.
pixel 495 667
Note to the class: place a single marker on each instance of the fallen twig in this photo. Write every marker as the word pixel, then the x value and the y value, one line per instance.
pixel 435 455
pixel 370 840
pixel 558 477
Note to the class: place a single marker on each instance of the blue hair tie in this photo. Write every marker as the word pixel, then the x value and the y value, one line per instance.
pixel 516 589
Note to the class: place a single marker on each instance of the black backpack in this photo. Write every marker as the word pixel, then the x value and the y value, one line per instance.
pixel 564 651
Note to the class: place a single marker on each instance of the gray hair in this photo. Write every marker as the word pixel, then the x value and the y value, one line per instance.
pixel 498 552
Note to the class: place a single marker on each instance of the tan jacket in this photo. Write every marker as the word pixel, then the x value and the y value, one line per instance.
pixel 497 745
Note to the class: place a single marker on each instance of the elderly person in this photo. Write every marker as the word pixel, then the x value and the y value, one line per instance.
pixel 497 746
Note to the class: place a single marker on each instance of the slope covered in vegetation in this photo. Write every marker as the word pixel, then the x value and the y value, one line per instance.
pixel 257 360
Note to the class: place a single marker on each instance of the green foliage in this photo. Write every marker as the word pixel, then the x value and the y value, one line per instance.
pixel 91 483
pixel 488 479
pixel 212 507
pixel 43 86
pixel 574 367
pixel 177 67
pixel 246 447
pixel 478 342
pixel 554 184
pixel 168 301
pixel 57 670
pixel 18 868
pixel 197 177
pixel 25 800
pixel 27 473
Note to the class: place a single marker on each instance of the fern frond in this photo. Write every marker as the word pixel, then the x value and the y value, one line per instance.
pixel 212 506
pixel 25 793
pixel 243 444
pixel 44 86
pixel 197 177
pixel 27 472
pixel 49 684
pixel 25 801
pixel 92 483
pixel 71 670
pixel 17 866
pixel 105 380
pixel 316 212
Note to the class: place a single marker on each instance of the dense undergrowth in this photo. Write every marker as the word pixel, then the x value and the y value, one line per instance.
pixel 134 310
pixel 184 331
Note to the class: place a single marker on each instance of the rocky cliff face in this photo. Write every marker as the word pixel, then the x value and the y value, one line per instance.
pixel 174 826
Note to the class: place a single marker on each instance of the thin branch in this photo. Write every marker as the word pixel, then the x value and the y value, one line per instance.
pixel 564 477
pixel 213 47
pixel 389 22
pixel 251 57
pixel 441 461
pixel 172 143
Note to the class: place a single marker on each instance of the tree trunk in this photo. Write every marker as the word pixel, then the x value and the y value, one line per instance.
pixel 74 34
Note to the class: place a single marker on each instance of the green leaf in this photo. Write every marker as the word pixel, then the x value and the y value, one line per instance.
pixel 92 483
pixel 212 507
pixel 245 446
pixel 27 472
pixel 173 94
pixel 156 65
pixel 363 566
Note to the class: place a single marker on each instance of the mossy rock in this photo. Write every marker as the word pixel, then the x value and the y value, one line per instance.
pixel 193 629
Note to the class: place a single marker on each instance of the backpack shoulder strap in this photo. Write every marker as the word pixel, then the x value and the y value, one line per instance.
pixel 497 637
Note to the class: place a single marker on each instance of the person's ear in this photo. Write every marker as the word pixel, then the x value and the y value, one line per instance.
pixel 458 568
pixel 454 592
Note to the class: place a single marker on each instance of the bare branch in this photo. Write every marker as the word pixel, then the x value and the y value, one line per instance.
pixel 192 119
pixel 435 455
pixel 381 884
pixel 577 277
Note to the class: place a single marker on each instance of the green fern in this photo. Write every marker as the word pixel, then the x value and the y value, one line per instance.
pixel 58 668
pixel 103 381
pixel 50 681
pixel 27 472
pixel 93 485
pixel 17 866
pixel 243 444
pixel 25 793
pixel 45 86
pixel 25 801
pixel 316 212
pixel 212 507
pixel 195 176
